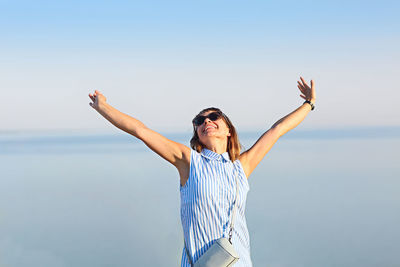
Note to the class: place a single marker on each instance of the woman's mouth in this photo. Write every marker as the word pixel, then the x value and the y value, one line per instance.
pixel 209 127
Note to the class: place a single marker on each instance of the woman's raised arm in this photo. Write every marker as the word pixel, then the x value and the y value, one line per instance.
pixel 252 157
pixel 175 153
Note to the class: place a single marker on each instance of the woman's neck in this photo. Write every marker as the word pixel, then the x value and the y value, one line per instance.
pixel 216 146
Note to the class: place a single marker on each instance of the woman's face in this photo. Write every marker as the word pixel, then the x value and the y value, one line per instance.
pixel 209 128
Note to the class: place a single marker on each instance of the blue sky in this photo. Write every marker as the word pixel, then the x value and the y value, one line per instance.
pixel 163 61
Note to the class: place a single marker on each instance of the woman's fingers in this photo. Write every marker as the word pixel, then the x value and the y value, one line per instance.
pixel 304 90
pixel 96 92
pixel 97 97
pixel 304 82
pixel 308 93
pixel 304 86
pixel 300 88
pixel 92 97
pixel 313 90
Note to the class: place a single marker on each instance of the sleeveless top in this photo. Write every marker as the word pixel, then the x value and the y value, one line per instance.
pixel 207 201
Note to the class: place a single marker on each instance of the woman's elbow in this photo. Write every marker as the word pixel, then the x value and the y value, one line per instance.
pixel 278 130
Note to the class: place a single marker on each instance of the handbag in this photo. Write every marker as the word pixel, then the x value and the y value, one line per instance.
pixel 221 253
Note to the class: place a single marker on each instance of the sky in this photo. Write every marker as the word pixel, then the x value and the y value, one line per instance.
pixel 163 61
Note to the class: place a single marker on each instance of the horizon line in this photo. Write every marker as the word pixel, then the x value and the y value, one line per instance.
pixel 388 131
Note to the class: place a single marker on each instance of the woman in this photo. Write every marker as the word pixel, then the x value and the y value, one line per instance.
pixel 211 171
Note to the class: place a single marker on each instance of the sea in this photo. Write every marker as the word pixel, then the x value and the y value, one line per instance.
pixel 319 198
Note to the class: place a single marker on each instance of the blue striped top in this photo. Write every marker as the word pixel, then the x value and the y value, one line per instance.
pixel 207 201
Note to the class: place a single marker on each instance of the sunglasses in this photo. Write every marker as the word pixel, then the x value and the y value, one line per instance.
pixel 199 120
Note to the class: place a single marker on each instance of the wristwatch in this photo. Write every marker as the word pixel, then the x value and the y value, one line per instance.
pixel 309 102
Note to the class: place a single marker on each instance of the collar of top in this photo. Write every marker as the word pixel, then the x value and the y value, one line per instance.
pixel 215 156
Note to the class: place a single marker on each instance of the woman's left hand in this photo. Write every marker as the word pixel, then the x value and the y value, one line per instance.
pixel 308 93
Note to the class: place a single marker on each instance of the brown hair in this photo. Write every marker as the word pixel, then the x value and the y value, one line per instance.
pixel 233 147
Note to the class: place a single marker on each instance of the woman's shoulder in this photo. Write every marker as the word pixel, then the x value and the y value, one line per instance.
pixel 195 157
pixel 239 167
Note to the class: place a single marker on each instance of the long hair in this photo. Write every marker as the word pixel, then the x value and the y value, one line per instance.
pixel 233 147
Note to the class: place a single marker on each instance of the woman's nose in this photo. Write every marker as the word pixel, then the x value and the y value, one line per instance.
pixel 207 120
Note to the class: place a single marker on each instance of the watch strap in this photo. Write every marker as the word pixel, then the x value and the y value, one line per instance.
pixel 309 102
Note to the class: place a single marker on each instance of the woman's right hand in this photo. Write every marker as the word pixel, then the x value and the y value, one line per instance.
pixel 308 93
pixel 98 99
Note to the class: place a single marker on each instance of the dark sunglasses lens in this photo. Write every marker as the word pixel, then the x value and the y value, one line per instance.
pixel 199 120
pixel 214 116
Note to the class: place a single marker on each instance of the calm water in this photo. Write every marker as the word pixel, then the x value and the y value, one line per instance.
pixel 106 200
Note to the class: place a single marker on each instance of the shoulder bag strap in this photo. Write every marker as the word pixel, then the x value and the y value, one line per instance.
pixel 187 253
pixel 234 208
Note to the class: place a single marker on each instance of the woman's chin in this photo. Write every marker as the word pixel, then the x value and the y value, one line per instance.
pixel 209 133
